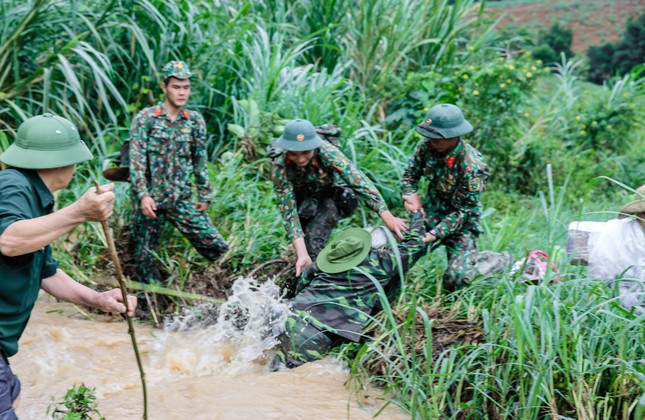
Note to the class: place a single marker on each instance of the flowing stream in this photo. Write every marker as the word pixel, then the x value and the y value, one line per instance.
pixel 207 363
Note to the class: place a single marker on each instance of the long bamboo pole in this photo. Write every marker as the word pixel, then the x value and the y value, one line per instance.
pixel 124 293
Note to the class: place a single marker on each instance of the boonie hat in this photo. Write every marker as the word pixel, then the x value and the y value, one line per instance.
pixel 444 121
pixel 636 206
pixel 345 251
pixel 298 136
pixel 46 141
pixel 177 69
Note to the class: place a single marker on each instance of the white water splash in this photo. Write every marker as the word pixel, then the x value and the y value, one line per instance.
pixel 232 337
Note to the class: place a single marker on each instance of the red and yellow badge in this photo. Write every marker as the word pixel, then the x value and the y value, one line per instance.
pixel 475 184
pixel 300 137
pixel 450 161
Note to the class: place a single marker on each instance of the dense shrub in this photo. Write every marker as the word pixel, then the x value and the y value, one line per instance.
pixel 618 58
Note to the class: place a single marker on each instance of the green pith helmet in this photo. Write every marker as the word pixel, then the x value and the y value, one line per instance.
pixel 345 251
pixel 298 136
pixel 444 121
pixel 46 141
pixel 177 69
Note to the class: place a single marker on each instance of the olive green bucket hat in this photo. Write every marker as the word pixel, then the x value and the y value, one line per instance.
pixel 636 206
pixel 444 121
pixel 46 141
pixel 345 251
pixel 298 136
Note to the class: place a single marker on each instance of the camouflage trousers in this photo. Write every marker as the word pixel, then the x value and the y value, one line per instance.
pixel 318 223
pixel 194 225
pixel 461 250
pixel 302 342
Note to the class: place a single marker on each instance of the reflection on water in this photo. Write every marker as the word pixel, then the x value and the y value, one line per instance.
pixel 196 367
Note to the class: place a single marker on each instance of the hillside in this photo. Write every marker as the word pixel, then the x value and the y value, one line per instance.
pixel 594 22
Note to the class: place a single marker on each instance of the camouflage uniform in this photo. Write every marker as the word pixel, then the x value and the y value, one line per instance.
pixel 335 307
pixel 309 197
pixel 164 155
pixel 452 203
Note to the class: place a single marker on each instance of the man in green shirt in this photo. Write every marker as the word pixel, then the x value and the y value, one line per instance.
pixel 41 161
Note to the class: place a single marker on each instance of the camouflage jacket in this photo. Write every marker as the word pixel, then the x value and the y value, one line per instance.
pixel 292 184
pixel 456 180
pixel 164 155
pixel 343 302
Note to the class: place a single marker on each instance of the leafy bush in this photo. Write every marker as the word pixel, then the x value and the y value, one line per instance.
pixel 621 57
pixel 553 43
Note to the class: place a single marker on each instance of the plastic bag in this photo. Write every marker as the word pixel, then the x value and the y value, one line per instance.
pixel 533 268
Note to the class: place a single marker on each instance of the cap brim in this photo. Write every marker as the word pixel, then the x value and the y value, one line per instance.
pixel 449 133
pixel 298 146
pixel 120 173
pixel 18 157
pixel 632 208
pixel 326 266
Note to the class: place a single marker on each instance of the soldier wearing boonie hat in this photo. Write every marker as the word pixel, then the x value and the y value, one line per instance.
pixel 337 294
pixel 457 174
pixel 168 149
pixel 304 182
pixel 41 161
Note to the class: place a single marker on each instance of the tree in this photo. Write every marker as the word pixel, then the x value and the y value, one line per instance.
pixel 619 58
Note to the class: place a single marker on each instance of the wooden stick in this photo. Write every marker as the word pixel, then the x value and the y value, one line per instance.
pixel 124 293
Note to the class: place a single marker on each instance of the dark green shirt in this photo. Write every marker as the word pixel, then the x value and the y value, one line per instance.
pixel 23 195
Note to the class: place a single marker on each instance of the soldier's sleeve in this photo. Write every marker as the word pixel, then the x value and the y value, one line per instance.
pixel 467 202
pixel 353 177
pixel 200 162
pixel 139 156
pixel 286 202
pixel 412 174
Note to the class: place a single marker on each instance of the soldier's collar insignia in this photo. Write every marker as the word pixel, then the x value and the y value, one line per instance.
pixel 475 184
pixel 300 137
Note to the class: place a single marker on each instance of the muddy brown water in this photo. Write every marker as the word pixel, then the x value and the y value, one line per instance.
pixel 187 377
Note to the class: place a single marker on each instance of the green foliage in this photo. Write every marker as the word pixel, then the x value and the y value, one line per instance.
pixel 77 404
pixel 554 43
pixel 621 57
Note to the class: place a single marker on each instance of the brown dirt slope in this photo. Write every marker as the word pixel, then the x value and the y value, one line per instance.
pixel 594 22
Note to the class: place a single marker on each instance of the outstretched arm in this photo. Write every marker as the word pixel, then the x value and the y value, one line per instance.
pixel 63 287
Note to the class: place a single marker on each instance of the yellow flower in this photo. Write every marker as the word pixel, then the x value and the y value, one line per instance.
pixel 471 67
pixel 502 85
pixel 533 68
pixel 594 123
pixel 539 61
pixel 529 75
pixel 465 76
pixel 509 81
pixel 578 117
pixel 609 126
pixel 584 125
pixel 526 114
pixel 475 92
pixel 511 67
pixel 426 109
pixel 470 48
pixel 583 132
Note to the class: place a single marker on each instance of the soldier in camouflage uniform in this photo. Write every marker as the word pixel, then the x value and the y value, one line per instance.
pixel 457 175
pixel 339 296
pixel 309 199
pixel 168 148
